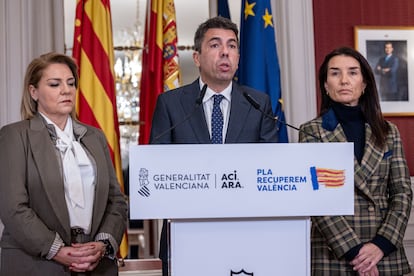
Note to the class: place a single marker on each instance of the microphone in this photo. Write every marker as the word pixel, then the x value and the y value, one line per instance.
pixel 256 105
pixel 198 102
pixel 202 94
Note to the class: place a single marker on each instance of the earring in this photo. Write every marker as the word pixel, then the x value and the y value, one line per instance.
pixel 363 91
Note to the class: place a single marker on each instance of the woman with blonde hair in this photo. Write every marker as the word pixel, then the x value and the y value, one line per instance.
pixel 60 202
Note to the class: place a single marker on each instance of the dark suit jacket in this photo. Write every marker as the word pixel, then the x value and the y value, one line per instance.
pixel 383 199
pixel 32 201
pixel 388 81
pixel 246 125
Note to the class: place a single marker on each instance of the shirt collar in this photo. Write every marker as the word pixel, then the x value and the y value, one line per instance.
pixel 68 127
pixel 210 93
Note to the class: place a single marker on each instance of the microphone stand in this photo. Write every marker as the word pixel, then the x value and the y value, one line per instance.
pixel 256 105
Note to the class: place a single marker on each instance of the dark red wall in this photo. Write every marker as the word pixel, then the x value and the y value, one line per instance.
pixel 334 23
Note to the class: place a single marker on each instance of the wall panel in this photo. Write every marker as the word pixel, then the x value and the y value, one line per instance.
pixel 334 23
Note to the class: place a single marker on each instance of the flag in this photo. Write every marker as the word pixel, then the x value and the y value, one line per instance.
pixel 223 8
pixel 160 68
pixel 96 98
pixel 331 178
pixel 259 64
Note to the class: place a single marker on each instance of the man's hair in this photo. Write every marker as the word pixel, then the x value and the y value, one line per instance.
pixel 218 22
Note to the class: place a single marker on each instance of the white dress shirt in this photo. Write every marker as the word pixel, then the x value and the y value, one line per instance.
pixel 224 106
pixel 80 214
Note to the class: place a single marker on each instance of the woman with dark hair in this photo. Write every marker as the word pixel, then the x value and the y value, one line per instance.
pixel 370 242
pixel 60 201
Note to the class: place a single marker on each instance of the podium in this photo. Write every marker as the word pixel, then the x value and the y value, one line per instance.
pixel 241 209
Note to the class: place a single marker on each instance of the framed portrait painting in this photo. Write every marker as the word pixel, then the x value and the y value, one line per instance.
pixel 390 53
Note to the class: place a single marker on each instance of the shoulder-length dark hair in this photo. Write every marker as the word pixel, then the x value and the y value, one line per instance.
pixel 369 100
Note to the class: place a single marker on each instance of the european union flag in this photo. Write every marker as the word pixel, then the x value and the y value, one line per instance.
pixel 259 64
pixel 223 8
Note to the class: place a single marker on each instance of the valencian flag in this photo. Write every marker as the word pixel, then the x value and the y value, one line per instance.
pixel 259 64
pixel 329 177
pixel 96 99
pixel 160 68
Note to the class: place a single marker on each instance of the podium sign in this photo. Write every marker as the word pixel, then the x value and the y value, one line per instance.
pixel 241 209
pixel 241 180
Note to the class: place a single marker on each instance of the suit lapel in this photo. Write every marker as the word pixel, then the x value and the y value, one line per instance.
pixel 101 191
pixel 238 113
pixel 369 164
pixel 45 157
pixel 332 131
pixel 197 119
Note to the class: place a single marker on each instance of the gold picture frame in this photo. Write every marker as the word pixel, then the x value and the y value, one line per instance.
pixel 394 74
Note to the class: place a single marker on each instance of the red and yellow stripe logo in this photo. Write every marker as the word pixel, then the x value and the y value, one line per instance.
pixel 331 178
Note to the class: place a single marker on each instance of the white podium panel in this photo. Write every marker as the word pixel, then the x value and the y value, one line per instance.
pixel 261 247
pixel 241 209
pixel 241 180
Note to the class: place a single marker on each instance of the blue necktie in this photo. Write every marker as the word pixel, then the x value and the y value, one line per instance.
pixel 217 121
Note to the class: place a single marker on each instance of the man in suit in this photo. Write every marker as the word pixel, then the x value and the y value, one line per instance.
pixel 186 115
pixel 387 68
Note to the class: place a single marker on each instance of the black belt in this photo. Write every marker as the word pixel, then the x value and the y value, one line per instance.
pixel 76 231
pixel 79 236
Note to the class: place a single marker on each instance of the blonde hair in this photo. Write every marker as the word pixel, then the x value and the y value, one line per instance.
pixel 34 73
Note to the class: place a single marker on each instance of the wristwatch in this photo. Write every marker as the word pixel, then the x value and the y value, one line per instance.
pixel 109 250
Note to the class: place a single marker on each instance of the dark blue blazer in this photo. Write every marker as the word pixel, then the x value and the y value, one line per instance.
pixel 246 124
pixel 389 80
